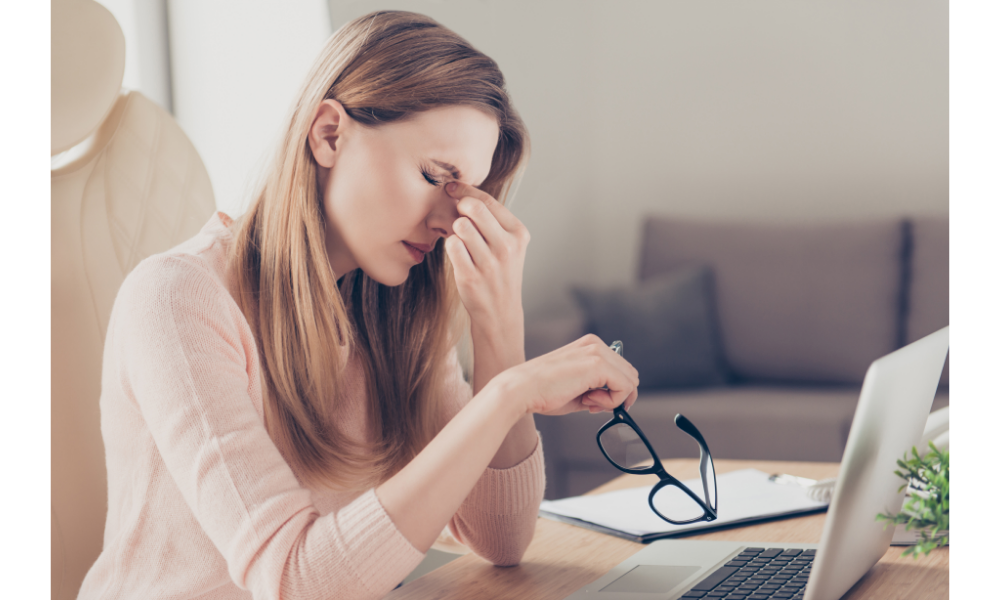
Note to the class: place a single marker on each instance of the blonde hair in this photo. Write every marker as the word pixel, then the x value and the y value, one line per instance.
pixel 383 67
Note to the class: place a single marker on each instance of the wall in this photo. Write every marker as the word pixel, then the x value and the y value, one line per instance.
pixel 771 109
pixel 706 108
pixel 236 68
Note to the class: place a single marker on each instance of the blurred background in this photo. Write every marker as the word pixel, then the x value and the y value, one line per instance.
pixel 753 195
pixel 772 110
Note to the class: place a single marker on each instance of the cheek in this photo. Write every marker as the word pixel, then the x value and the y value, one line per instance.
pixel 395 211
pixel 378 211
pixel 377 198
pixel 357 198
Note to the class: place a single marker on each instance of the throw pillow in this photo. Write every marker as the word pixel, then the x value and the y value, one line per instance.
pixel 667 325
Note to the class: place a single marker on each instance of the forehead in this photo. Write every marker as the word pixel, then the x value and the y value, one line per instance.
pixel 460 135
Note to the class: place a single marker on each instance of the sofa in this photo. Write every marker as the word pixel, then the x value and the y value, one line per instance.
pixel 759 333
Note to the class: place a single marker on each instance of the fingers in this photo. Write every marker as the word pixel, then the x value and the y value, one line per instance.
pixel 615 358
pixel 503 217
pixel 582 375
pixel 459 255
pixel 619 380
pixel 477 247
pixel 602 400
pixel 619 385
pixel 460 189
pixel 585 402
pixel 598 401
pixel 480 229
pixel 484 224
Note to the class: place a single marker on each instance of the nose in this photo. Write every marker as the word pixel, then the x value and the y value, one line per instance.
pixel 444 211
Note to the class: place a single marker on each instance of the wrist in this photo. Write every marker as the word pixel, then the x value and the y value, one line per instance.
pixel 504 343
pixel 497 318
pixel 500 395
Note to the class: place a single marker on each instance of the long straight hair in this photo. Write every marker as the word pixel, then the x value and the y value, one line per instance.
pixel 383 67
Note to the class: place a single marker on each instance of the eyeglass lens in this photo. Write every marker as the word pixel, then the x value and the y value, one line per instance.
pixel 675 503
pixel 624 447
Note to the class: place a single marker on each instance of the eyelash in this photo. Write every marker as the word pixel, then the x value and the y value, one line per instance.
pixel 430 179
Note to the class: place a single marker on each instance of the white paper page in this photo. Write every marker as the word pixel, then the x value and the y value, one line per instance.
pixel 743 494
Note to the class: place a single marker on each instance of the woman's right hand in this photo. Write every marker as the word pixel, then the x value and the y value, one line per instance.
pixel 569 379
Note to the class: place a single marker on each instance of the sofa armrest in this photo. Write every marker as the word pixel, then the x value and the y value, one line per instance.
pixel 545 334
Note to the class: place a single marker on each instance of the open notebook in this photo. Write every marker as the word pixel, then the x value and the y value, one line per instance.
pixel 744 496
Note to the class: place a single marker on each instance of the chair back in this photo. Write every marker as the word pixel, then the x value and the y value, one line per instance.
pixel 126 183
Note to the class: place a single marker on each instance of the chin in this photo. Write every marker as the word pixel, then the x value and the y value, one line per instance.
pixel 388 277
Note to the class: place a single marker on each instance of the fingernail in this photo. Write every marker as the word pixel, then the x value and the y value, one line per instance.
pixel 451 187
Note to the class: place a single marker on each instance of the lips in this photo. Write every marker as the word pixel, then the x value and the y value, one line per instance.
pixel 425 248
pixel 417 251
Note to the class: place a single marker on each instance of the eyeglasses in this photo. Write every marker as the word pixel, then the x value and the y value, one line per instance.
pixel 625 446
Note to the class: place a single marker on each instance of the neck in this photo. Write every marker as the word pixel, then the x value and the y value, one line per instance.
pixel 339 256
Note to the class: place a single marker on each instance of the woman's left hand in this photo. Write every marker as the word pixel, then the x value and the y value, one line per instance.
pixel 487 253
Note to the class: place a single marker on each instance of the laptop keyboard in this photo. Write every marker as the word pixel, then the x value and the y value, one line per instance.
pixel 758 574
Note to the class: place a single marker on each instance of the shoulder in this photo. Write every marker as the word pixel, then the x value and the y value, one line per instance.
pixel 186 284
pixel 173 313
pixel 166 277
pixel 173 299
pixel 195 270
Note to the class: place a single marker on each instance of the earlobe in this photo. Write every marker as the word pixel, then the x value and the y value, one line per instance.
pixel 325 132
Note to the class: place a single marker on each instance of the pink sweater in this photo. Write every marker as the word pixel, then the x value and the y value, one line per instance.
pixel 200 502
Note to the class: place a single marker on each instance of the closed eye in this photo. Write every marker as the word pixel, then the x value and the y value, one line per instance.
pixel 430 179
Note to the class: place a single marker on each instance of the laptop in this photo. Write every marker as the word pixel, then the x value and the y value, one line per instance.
pixel 895 401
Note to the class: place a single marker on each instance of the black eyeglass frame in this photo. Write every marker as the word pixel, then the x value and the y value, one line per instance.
pixel 710 513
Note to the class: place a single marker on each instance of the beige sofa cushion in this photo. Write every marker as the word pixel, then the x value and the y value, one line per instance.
pixel 810 303
pixel 928 299
pixel 667 325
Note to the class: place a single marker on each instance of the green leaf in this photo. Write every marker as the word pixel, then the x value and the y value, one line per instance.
pixel 927 510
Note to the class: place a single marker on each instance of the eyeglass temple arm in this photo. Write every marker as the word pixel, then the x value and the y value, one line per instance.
pixel 688 427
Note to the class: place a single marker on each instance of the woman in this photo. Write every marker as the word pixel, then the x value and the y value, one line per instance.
pixel 283 409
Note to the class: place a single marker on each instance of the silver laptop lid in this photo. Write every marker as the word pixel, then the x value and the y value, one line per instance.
pixel 895 400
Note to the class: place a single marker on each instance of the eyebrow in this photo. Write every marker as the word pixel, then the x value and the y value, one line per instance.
pixel 448 167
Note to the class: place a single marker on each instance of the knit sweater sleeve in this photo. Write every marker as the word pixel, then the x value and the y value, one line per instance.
pixel 188 359
pixel 497 519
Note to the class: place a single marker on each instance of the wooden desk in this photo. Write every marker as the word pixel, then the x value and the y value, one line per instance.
pixel 562 558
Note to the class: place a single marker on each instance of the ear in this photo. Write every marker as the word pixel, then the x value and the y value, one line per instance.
pixel 329 122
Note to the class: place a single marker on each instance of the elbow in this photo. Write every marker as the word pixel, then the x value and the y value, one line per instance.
pixel 510 546
pixel 312 570
pixel 511 560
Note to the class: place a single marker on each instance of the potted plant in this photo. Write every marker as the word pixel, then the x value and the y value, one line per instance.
pixel 927 507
